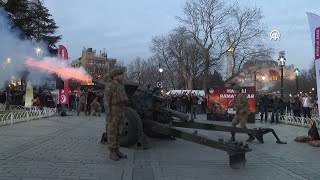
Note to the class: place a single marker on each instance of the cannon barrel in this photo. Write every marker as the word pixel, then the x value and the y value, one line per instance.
pixel 99 81
pixel 182 116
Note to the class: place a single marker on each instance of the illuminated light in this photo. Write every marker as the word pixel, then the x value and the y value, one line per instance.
pixel 160 70
pixel 8 60
pixel 52 65
pixel 263 77
pixel 312 89
pixel 38 51
pixel 290 95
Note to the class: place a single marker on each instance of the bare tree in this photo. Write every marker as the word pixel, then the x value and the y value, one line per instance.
pixel 143 72
pixel 181 56
pixel 160 47
pixel 187 55
pixel 135 70
pixel 245 32
pixel 206 21
pixel 212 22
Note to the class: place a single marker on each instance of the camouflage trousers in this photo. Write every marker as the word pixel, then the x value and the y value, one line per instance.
pixel 82 107
pixel 96 107
pixel 240 118
pixel 114 129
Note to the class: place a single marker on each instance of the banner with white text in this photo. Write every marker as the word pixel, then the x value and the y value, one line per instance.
pixel 220 103
pixel 63 93
pixel 314 23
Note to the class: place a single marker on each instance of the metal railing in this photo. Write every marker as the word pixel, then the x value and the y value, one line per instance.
pixel 297 121
pixel 20 114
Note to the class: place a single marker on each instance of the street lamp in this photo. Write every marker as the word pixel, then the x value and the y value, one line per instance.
pixel 297 72
pixel 160 70
pixel 38 51
pixel 263 77
pixel 159 84
pixel 8 60
pixel 281 62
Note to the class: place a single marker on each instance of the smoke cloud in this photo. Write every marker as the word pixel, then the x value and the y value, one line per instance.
pixel 14 53
pixel 52 65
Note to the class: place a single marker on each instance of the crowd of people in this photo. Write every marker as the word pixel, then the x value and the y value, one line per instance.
pixel 299 105
pixel 91 100
pixel 41 98
pixel 189 103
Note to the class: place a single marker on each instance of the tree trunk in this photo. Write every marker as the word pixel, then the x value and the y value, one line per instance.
pixel 206 69
pixel 190 83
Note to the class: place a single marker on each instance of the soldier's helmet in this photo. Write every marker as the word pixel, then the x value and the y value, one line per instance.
pixel 116 71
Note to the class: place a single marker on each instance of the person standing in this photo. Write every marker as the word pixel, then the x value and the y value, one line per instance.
pixel 115 99
pixel 275 102
pixel 194 105
pixel 241 106
pixel 296 106
pixel 264 103
pixel 306 103
pixel 83 102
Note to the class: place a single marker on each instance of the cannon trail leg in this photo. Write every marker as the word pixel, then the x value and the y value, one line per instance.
pixel 236 151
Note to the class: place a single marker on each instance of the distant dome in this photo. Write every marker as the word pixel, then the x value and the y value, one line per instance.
pixel 260 60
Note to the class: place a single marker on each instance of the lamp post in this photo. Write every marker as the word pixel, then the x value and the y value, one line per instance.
pixel 297 71
pixel 160 76
pixel 282 62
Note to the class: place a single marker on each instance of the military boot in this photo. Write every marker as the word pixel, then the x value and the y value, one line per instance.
pixel 233 137
pixel 113 155
pixel 251 138
pixel 120 154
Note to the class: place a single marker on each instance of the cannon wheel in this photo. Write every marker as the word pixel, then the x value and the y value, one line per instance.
pixel 132 128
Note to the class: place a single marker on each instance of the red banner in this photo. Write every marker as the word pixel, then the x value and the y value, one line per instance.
pixel 220 102
pixel 63 93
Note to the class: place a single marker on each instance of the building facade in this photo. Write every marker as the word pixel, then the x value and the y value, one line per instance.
pixel 98 66
pixel 263 72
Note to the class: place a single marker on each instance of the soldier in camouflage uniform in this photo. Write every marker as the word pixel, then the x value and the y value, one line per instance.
pixel 95 105
pixel 83 102
pixel 241 106
pixel 115 98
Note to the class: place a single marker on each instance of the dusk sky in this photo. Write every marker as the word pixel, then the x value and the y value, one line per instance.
pixel 125 27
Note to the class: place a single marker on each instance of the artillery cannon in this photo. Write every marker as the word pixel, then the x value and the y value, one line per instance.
pixel 146 114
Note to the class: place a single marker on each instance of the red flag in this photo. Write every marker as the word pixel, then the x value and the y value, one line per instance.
pixel 63 53
pixel 63 94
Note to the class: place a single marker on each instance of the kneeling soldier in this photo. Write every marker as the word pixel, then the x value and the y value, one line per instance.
pixel 241 106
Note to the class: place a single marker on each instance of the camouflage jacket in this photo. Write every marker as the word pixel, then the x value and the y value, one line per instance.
pixel 241 103
pixel 83 97
pixel 115 97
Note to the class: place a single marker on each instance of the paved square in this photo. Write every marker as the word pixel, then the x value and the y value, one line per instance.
pixel 69 148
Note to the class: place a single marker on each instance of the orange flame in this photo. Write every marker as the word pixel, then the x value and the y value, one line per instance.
pixel 61 69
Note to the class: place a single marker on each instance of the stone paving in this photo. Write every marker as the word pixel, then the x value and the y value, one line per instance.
pixel 69 148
